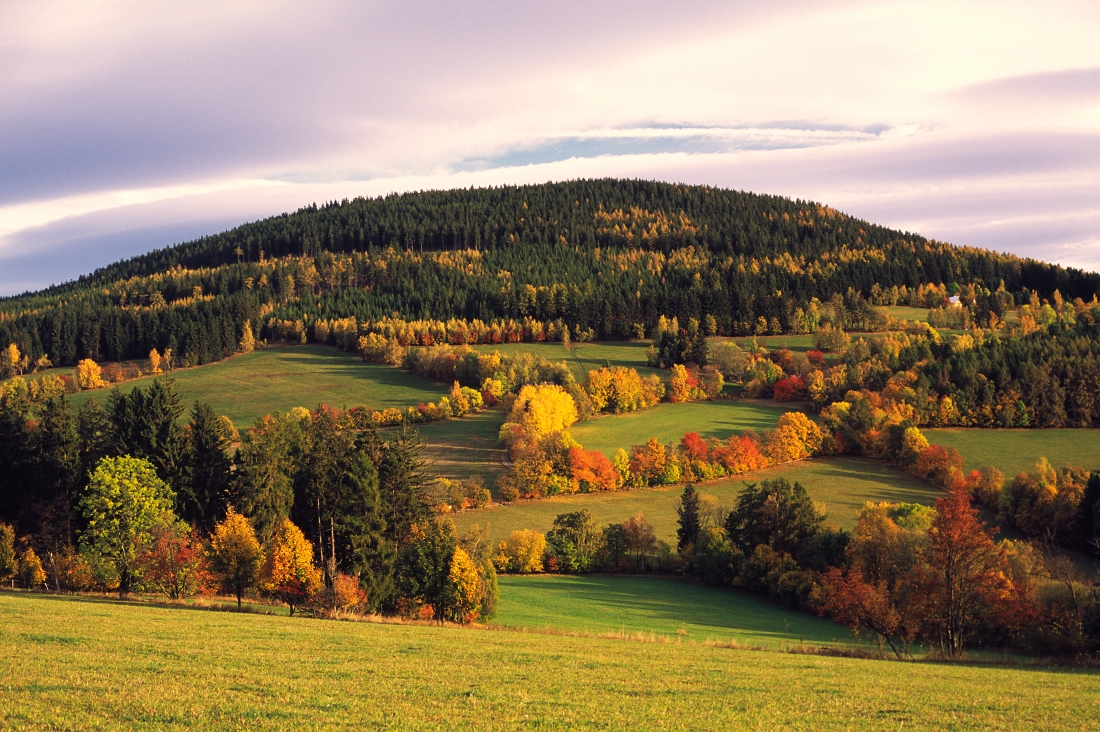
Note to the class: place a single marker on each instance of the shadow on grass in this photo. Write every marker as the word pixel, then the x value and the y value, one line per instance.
pixel 633 601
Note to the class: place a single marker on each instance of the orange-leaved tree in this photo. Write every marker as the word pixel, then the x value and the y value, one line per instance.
pixel 173 562
pixel 592 471
pixel 290 575
pixel 236 557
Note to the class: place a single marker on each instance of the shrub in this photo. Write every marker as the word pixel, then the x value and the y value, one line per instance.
pixel 524 551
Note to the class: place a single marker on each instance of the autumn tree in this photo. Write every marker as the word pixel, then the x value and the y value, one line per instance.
pixel 640 538
pixel 236 557
pixel 154 362
pixel 290 575
pixel 124 501
pixel 173 562
pixel 524 551
pixel 89 375
pixel 962 580
pixel 248 340
pixel 462 596
pixel 29 569
pixel 8 561
pixel 543 410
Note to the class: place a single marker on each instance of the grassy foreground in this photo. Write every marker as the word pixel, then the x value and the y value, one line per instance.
pixel 277 379
pixel 1013 451
pixel 843 484
pixel 75 664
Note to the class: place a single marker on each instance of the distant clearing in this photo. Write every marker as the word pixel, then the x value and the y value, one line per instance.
pixel 584 357
pixel 843 484
pixel 668 422
pixel 278 379
pixel 1013 451
pixel 460 448
pixel 69 663
pixel 664 606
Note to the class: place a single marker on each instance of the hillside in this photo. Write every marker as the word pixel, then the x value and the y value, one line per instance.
pixel 102 664
pixel 606 256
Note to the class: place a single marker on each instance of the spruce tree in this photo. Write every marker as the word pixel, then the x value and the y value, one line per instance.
pixel 687 530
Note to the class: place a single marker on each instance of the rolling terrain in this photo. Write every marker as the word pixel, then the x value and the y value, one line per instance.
pixel 102 664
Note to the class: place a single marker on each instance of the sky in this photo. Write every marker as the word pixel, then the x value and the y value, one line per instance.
pixel 130 126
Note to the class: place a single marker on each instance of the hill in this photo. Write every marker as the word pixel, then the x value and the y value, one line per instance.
pixel 605 257
pixel 68 663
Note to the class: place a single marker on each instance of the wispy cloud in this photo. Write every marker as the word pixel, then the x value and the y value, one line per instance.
pixel 125 127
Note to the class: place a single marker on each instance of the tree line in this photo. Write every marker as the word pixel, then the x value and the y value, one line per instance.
pixel 360 498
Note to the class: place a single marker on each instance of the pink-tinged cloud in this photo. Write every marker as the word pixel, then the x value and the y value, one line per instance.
pixel 125 126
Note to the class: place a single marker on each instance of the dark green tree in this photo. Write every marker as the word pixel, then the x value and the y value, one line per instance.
pixel 687 528
pixel 776 513
pixel 204 496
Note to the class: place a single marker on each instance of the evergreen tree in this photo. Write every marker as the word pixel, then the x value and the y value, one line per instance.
pixel 687 530
pixel 204 496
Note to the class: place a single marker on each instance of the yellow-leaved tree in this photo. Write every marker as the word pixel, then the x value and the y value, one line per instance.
pixel 290 575
pixel 154 361
pixel 463 593
pixel 89 375
pixel 543 410
pixel 236 556
pixel 248 340
pixel 523 551
pixel 795 437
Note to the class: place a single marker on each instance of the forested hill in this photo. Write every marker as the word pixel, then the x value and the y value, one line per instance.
pixel 602 255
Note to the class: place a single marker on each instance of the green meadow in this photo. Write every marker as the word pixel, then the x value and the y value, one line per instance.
pixel 841 484
pixel 1014 451
pixel 658 606
pixel 68 663
pixel 278 379
pixel 584 357
pixel 668 423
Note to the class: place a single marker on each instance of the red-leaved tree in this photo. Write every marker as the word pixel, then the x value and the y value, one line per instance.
pixel 963 581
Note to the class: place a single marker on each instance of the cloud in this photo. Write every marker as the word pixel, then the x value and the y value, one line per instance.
pixel 129 126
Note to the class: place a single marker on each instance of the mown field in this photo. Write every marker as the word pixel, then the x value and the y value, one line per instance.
pixel 668 422
pixel 658 606
pixel 461 448
pixel 278 379
pixel 78 664
pixel 842 484
pixel 1013 451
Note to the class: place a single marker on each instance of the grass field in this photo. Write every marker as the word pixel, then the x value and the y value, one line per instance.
pixel 843 485
pixel 1013 451
pixel 77 664
pixel 278 379
pixel 584 357
pixel 668 422
pixel 461 448
pixel 662 606
pixel 903 312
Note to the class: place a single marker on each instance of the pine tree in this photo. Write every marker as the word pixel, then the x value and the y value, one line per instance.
pixel 687 530
pixel 204 494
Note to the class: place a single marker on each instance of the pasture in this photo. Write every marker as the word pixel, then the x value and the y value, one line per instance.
pixel 584 357
pixel 1014 451
pixel 280 378
pixel 461 448
pixel 668 422
pixel 842 484
pixel 661 606
pixel 75 663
